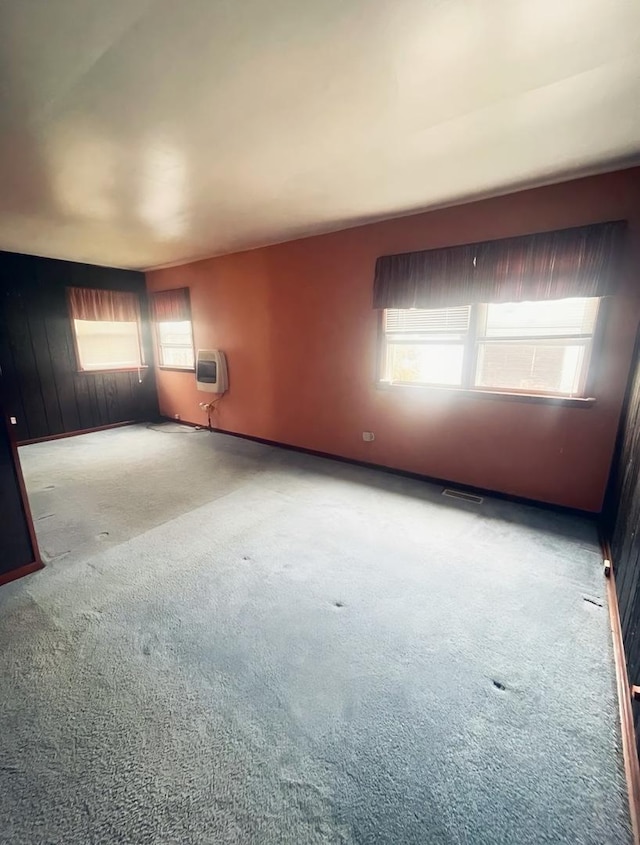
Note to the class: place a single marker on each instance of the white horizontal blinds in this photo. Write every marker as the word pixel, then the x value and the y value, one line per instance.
pixel 106 345
pixel 537 347
pixel 555 318
pixel 426 346
pixel 175 334
pixel 427 320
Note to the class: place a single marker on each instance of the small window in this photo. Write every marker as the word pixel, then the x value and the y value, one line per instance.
pixel 171 313
pixel 175 342
pixel 106 345
pixel 523 347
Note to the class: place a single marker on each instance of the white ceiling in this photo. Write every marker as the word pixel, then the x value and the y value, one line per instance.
pixel 137 133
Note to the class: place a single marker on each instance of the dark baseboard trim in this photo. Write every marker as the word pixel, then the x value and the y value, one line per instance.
pixel 440 482
pixel 75 433
pixel 20 572
pixel 623 684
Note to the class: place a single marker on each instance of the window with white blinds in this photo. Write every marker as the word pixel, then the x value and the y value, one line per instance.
pixel 541 347
pixel 175 344
pixel 426 346
pixel 424 320
pixel 107 345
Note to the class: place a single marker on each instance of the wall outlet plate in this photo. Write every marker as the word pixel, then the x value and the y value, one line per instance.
pixel 13 421
pixel 368 436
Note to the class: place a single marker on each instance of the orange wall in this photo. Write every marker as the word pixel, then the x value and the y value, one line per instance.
pixel 297 325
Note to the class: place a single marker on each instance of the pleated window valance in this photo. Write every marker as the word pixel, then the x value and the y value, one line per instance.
pixel 109 306
pixel 171 306
pixel 579 262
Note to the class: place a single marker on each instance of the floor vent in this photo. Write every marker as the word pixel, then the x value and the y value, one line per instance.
pixel 460 494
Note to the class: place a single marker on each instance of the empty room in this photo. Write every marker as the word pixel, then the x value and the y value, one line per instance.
pixel 319 422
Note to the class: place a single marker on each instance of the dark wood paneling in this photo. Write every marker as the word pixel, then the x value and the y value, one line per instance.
pixel 621 517
pixel 44 390
pixel 25 372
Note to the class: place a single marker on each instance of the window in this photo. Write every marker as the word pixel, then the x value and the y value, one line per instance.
pixel 171 312
pixel 175 342
pixel 107 345
pixel 426 346
pixel 106 328
pixel 523 347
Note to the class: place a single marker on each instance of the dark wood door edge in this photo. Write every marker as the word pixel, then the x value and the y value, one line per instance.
pixel 6 577
pixel 75 433
pixel 37 560
pixel 629 747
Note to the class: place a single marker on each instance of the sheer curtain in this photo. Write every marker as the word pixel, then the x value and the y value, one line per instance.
pixel 171 306
pixel 109 306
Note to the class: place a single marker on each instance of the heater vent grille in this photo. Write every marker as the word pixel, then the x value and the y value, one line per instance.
pixel 460 494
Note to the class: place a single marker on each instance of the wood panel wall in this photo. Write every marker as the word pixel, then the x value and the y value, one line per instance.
pixel 622 525
pixel 44 390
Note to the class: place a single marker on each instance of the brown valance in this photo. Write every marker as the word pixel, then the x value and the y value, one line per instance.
pixel 103 305
pixel 553 265
pixel 171 306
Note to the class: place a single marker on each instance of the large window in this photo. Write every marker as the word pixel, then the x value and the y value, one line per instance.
pixel 106 328
pixel 524 347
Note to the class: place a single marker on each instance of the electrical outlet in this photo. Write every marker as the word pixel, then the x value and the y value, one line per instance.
pixel 176 416
pixel 368 436
pixel 13 421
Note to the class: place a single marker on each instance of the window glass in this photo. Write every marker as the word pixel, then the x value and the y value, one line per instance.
pixel 523 347
pixel 104 345
pixel 531 368
pixel 426 346
pixel 432 363
pixel 175 340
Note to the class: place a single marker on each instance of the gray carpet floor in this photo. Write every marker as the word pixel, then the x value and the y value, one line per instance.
pixel 238 644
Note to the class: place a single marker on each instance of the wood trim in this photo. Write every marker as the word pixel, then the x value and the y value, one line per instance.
pixel 21 572
pixel 76 433
pixel 629 747
pixel 113 370
pixel 37 560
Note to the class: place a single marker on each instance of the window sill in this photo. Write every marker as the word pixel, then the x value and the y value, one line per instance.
pixel 113 370
pixel 466 393
pixel 177 369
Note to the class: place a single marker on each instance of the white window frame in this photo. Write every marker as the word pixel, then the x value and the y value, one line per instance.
pixel 106 367
pixel 473 338
pixel 161 347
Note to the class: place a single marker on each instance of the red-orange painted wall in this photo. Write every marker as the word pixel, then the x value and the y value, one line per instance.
pixel 297 325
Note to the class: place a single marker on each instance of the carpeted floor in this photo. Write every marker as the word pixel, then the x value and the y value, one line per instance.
pixel 238 644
